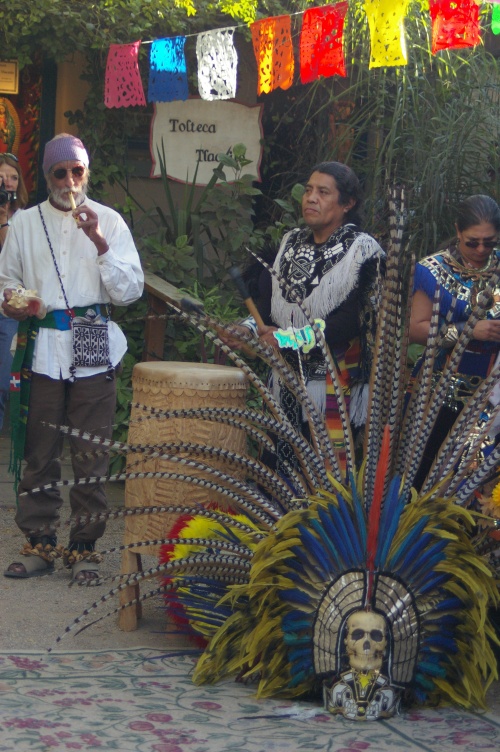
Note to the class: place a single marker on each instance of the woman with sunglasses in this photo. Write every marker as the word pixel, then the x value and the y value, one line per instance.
pixel 460 272
pixel 13 197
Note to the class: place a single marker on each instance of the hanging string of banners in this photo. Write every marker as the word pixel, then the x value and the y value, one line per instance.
pixel 454 24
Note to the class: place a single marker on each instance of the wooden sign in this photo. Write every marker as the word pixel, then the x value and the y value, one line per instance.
pixel 194 132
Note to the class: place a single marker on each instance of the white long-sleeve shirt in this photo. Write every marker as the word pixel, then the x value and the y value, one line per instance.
pixel 115 277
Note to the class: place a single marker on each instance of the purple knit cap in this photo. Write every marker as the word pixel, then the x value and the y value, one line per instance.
pixel 62 148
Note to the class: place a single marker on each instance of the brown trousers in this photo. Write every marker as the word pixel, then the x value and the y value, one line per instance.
pixel 86 404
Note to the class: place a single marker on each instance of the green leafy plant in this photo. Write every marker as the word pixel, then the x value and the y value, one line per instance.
pixel 431 126
pixel 227 216
pixel 285 214
pixel 205 232
pixel 174 249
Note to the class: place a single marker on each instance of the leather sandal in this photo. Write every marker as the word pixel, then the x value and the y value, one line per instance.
pixel 34 566
pixel 83 566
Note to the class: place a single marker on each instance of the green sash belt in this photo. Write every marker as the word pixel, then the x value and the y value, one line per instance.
pixel 21 371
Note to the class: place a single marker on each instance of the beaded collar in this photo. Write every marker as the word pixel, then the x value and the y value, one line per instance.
pixel 455 260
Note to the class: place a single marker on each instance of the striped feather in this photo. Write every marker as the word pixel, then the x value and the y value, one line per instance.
pixel 254 586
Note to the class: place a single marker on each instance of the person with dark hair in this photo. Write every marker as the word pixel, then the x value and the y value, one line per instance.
pixel 13 198
pixel 334 269
pixel 460 273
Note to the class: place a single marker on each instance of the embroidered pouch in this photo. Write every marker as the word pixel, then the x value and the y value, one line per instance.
pixel 90 340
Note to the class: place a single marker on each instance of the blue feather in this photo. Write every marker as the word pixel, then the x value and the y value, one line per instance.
pixel 440 630
pixel 299 678
pixel 432 669
pixel 447 644
pixel 293 615
pixel 227 534
pixel 295 596
pixel 296 577
pixel 299 669
pixel 425 683
pixel 294 563
pixel 299 654
pixel 356 556
pixel 392 513
pixel 297 629
pixel 299 559
pixel 332 534
pixel 315 549
pixel 415 551
pixel 359 513
pixel 390 503
pixel 408 541
pixel 425 561
pixel 329 546
pixel 352 534
pixel 304 550
pixel 340 535
pixel 428 655
pixel 291 638
pixel 448 604
pixel 433 582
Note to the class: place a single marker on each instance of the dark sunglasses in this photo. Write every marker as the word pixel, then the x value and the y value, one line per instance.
pixel 9 155
pixel 77 172
pixel 477 243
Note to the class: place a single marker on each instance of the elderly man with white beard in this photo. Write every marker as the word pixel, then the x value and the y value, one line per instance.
pixel 72 257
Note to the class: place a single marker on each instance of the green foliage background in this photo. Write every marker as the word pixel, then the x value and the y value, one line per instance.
pixel 431 126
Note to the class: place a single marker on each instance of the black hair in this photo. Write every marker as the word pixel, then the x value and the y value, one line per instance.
pixel 347 184
pixel 477 209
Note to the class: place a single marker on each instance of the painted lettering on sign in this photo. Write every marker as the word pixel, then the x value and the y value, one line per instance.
pixel 193 133
pixel 190 127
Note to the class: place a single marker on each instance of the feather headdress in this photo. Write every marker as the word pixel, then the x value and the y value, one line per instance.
pixel 278 589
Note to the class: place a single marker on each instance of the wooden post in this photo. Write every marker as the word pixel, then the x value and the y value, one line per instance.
pixel 159 293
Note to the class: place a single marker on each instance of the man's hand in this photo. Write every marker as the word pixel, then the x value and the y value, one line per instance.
pixel 231 339
pixel 88 221
pixel 266 336
pixel 19 314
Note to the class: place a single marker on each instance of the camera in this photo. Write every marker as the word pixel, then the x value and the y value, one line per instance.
pixel 6 197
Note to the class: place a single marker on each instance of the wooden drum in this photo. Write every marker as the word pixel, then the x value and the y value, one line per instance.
pixel 170 385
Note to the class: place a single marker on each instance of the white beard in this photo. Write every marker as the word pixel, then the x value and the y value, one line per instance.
pixel 61 196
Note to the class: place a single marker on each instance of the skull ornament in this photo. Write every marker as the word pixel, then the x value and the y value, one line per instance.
pixel 363 694
pixel 366 640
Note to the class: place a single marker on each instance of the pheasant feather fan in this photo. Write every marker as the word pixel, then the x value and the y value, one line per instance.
pixel 353 586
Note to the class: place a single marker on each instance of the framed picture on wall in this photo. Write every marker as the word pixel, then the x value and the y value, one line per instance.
pixel 9 77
